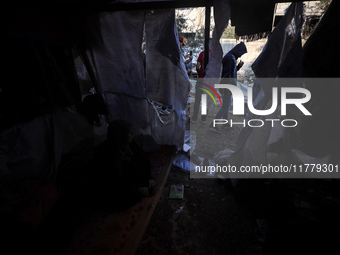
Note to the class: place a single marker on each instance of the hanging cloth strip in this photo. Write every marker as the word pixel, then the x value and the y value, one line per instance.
pixel 117 62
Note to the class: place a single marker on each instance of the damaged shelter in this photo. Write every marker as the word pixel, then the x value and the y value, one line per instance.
pixel 50 125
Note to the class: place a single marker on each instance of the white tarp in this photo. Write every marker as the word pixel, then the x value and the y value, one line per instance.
pixel 281 57
pixel 117 61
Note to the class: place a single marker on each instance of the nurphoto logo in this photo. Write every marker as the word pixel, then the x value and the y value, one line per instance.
pixel 239 102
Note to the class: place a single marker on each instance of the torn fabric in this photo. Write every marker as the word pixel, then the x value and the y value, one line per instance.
pixel 281 57
pixel 166 78
pixel 214 67
pixel 252 19
pixel 128 93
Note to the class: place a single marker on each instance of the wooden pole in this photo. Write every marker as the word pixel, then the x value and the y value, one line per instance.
pixel 206 36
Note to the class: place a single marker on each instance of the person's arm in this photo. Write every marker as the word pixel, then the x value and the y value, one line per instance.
pixel 188 60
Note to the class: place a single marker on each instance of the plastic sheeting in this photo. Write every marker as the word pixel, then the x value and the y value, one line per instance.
pixel 281 57
pixel 36 148
pixel 214 67
pixel 315 140
pixel 182 158
pixel 128 93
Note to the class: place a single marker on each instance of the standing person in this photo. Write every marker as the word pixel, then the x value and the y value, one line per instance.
pixel 198 91
pixel 187 58
pixel 200 64
pixel 229 76
pixel 189 65
pixel 121 170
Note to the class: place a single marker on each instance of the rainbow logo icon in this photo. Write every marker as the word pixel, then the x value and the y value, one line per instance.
pixel 209 93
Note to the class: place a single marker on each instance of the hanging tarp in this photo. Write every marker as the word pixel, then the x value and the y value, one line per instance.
pixel 166 77
pixel 281 57
pixel 214 67
pixel 252 19
pixel 118 64
pixel 36 148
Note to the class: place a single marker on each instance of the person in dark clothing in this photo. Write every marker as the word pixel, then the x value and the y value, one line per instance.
pixel 229 76
pixel 91 107
pixel 122 170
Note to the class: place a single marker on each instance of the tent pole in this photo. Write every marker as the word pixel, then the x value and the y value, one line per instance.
pixel 206 36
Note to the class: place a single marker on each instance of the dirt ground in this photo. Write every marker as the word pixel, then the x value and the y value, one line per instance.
pixel 280 216
pixel 208 143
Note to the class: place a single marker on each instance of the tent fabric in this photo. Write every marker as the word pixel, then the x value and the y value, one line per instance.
pixel 282 55
pixel 166 77
pixel 253 143
pixel 281 58
pixel 116 47
pixel 36 148
pixel 252 19
pixel 320 56
pixel 320 60
pixel 40 76
pixel 128 93
pixel 214 67
pixel 39 150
